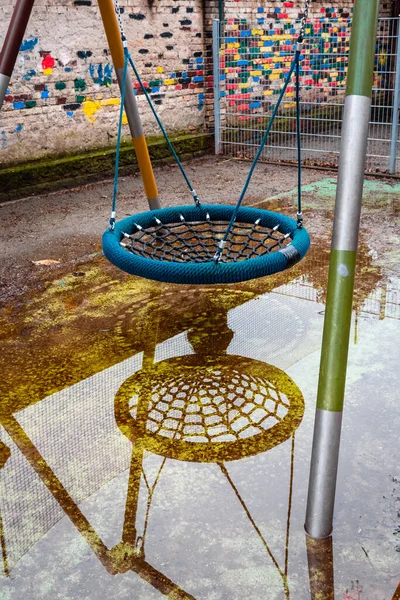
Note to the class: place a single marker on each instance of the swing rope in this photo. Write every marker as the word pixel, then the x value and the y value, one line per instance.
pixel 161 126
pixel 298 135
pixel 128 61
pixel 207 243
pixel 295 66
pixel 222 243
pixel 118 149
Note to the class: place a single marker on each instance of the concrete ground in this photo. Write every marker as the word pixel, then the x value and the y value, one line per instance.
pixel 67 226
pixel 73 333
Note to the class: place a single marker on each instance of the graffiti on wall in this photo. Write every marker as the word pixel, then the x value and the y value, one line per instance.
pixel 255 61
pixel 85 84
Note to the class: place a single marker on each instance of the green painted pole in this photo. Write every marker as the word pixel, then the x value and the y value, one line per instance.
pixel 335 343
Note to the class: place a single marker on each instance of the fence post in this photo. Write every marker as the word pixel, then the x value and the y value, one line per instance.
pixel 217 92
pixel 396 106
pixel 335 342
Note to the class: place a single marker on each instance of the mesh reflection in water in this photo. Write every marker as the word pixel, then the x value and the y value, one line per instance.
pixel 230 408
pixel 209 406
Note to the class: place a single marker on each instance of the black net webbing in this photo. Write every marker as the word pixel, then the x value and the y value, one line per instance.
pixel 197 241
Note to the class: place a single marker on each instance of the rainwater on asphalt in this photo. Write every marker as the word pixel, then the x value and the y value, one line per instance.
pixel 156 439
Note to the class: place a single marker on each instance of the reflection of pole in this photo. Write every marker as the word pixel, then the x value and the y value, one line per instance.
pixel 116 560
pixel 3 548
pixel 40 466
pixel 332 376
pixel 129 533
pixel 320 568
pixel 113 34
pixel 132 496
pixel 12 43
pixel 396 106
pixel 397 593
pixel 5 454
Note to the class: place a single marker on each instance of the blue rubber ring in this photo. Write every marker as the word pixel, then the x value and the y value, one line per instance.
pixel 206 272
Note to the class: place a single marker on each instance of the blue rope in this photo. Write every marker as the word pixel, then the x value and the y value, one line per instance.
pixel 161 126
pixel 121 113
pixel 221 245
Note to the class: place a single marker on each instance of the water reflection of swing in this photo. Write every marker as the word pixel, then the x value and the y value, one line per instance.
pixel 119 559
pixel 122 558
pixel 208 367
pixel 208 407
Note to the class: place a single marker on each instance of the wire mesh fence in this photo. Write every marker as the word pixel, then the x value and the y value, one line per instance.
pixel 253 62
pixel 383 302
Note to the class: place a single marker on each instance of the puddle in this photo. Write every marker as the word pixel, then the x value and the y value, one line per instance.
pixel 156 439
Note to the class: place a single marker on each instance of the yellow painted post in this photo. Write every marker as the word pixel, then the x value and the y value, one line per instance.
pixel 113 33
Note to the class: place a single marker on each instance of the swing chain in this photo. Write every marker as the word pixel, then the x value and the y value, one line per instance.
pixel 128 60
pixel 121 26
pixel 303 24
pixel 299 48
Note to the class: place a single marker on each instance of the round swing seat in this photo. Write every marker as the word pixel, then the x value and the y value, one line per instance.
pixel 178 244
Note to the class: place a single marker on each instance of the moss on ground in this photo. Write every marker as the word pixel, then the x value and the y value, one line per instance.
pixel 60 172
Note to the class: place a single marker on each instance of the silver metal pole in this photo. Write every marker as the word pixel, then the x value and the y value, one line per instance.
pixel 335 342
pixel 396 106
pixel 217 94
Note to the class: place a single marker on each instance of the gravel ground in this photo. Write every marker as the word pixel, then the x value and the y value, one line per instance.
pixel 67 226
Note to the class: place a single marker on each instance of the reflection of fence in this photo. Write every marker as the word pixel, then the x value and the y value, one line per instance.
pixel 383 302
pixel 253 62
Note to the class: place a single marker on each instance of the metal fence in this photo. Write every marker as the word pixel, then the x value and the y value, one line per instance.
pixel 252 60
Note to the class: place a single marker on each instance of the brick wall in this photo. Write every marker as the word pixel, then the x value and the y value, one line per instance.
pixel 259 36
pixel 252 9
pixel 63 96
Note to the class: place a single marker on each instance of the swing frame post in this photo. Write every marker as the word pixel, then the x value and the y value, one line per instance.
pixel 12 43
pixel 118 54
pixel 335 343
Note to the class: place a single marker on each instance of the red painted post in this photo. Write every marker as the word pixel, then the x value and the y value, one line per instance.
pixel 12 43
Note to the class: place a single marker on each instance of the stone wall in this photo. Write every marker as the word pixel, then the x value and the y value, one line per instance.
pixel 63 97
pixel 250 9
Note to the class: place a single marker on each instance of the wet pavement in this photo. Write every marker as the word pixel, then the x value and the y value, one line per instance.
pixel 157 439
